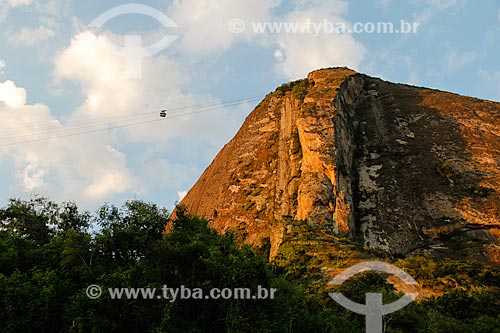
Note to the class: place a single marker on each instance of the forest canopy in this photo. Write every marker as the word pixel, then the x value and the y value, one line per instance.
pixel 50 253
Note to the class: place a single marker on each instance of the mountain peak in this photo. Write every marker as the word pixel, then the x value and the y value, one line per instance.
pixel 397 168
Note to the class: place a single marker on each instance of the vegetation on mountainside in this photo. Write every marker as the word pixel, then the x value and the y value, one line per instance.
pixel 298 89
pixel 50 253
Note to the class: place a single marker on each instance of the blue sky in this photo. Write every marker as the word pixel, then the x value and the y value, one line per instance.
pixel 58 78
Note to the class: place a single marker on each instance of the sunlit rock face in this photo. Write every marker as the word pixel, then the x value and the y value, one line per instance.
pixel 398 168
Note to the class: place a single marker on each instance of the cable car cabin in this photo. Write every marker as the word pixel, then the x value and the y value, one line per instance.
pixel 163 113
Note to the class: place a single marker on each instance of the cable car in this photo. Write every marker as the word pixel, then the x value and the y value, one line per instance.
pixel 163 113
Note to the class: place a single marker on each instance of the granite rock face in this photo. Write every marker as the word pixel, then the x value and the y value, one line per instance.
pixel 398 168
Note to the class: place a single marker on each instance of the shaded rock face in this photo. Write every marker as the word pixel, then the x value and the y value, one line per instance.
pixel 398 168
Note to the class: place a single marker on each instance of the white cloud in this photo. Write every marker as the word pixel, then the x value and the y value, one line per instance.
pixel 11 95
pixel 100 166
pixel 101 77
pixel 2 66
pixel 205 29
pixel 278 55
pixel 181 195
pixel 498 15
pixel 16 3
pixel 32 177
pixel 108 92
pixel 302 53
pixel 85 170
pixel 108 184
pixel 30 37
pixel 111 96
pixel 87 62
pixel 204 26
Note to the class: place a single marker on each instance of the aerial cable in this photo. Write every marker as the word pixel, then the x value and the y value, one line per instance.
pixel 202 110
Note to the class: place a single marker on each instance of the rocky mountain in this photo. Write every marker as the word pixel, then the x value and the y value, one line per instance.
pixel 398 168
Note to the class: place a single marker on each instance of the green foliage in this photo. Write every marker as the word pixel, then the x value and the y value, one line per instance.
pixel 456 311
pixel 44 274
pixel 50 253
pixel 298 89
pixel 447 275
pixel 265 248
pixel 373 282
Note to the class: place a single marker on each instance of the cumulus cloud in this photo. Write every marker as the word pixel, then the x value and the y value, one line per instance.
pixel 111 180
pixel 56 166
pixel 181 195
pixel 98 72
pixel 302 53
pixel 32 177
pixel 102 78
pixel 30 37
pixel 118 100
pixel 205 26
pixel 205 29
pixel 137 159
pixel 11 95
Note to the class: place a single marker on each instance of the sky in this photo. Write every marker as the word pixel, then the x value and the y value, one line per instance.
pixel 82 82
